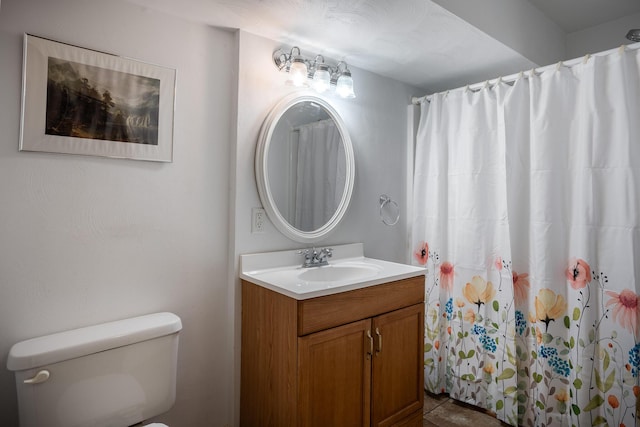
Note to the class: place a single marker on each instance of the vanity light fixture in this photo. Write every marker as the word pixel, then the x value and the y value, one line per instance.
pixel 316 73
pixel 634 35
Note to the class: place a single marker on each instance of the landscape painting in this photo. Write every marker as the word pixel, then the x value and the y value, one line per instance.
pixel 83 101
pixel 90 102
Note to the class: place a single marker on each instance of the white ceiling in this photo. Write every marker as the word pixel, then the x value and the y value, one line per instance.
pixel 576 15
pixel 419 42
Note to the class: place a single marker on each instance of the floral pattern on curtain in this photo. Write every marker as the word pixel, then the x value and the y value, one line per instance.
pixel 527 218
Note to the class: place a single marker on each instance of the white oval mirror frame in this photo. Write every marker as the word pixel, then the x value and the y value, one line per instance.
pixel 261 170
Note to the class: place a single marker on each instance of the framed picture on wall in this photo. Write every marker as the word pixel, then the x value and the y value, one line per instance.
pixel 81 101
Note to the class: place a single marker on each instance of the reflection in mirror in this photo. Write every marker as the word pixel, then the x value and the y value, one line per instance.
pixel 307 166
pixel 304 167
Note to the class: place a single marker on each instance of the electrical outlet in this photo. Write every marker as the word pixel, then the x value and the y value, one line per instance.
pixel 258 218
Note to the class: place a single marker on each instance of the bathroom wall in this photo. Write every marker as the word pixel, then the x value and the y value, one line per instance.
pixel 85 239
pixel 601 37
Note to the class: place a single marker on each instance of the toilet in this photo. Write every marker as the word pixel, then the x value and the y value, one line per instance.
pixel 115 374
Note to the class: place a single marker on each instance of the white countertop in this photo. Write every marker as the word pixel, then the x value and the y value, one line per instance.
pixel 348 269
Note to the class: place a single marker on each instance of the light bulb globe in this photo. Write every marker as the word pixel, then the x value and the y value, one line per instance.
pixel 344 86
pixel 321 80
pixel 298 72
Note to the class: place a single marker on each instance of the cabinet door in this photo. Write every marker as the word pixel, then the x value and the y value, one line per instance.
pixel 335 376
pixel 398 376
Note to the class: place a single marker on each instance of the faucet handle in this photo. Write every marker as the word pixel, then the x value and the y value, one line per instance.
pixel 306 253
pixel 324 254
pixel 308 257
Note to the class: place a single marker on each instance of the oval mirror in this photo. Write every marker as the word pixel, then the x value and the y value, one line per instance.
pixel 304 167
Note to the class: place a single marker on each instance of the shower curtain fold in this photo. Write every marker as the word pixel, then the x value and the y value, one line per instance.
pixel 526 215
pixel 320 174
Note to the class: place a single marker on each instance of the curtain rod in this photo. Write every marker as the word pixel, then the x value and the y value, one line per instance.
pixel 512 78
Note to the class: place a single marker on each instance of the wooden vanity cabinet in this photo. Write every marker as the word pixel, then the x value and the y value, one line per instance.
pixel 349 359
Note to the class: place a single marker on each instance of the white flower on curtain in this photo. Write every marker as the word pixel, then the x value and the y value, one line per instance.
pixel 526 216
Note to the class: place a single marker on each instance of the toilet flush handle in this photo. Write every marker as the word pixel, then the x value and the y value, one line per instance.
pixel 40 377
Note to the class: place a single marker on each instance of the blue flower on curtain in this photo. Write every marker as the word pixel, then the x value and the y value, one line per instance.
pixel 448 308
pixel 521 322
pixel 488 343
pixel 634 359
pixel 559 366
pixel 547 352
pixel 478 330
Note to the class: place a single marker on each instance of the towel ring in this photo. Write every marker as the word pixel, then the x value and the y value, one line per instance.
pixel 384 201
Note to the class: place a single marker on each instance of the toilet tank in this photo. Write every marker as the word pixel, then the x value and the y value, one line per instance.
pixel 114 374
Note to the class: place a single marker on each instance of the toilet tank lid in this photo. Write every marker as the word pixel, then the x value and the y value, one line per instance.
pixel 45 350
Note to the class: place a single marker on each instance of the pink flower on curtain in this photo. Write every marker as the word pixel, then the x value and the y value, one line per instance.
pixel 626 309
pixel 578 273
pixel 498 263
pixel 520 287
pixel 446 275
pixel 422 253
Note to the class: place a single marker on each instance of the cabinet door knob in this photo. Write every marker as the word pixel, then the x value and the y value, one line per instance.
pixel 370 352
pixel 379 340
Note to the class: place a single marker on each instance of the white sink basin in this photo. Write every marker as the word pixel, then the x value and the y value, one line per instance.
pixel 340 272
pixel 348 269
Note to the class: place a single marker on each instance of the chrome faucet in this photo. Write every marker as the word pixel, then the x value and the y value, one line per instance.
pixel 316 258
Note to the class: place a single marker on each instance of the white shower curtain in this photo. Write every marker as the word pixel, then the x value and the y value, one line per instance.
pixel 321 174
pixel 527 217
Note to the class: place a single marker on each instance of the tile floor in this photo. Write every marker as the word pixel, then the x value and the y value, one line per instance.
pixel 441 411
